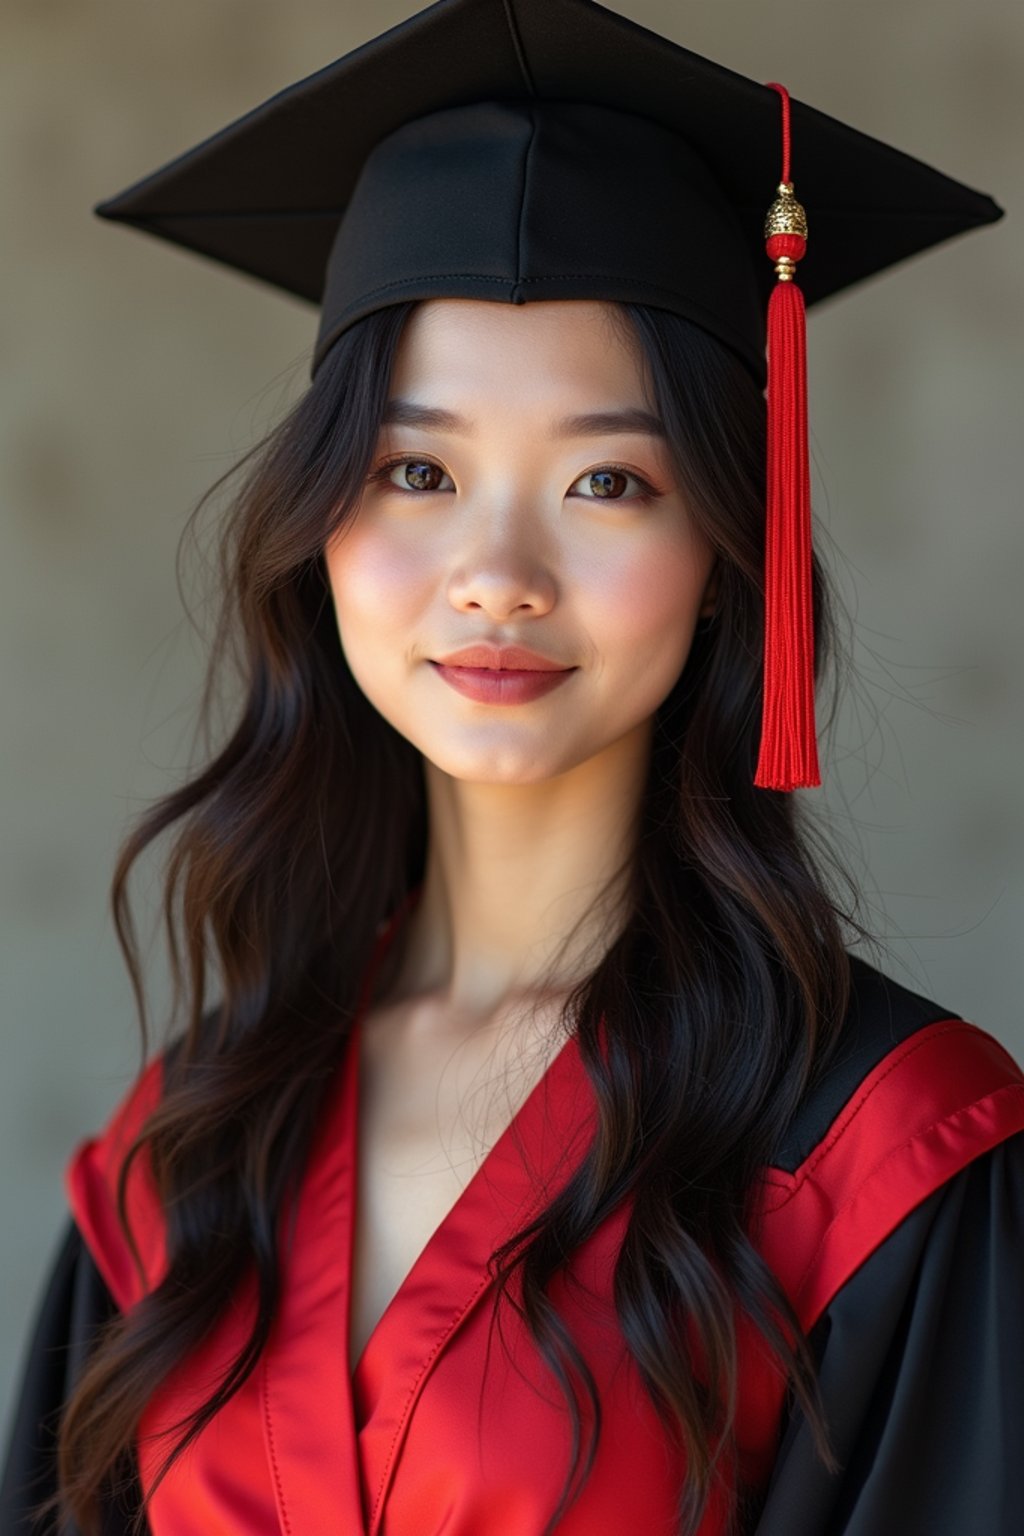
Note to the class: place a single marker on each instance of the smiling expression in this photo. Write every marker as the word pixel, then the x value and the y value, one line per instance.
pixel 510 523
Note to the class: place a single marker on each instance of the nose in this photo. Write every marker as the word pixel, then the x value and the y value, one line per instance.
pixel 504 572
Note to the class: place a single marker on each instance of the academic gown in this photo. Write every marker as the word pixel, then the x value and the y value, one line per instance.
pixel 893 1215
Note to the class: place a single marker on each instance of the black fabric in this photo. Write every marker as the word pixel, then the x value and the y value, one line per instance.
pixel 497 200
pixel 306 191
pixel 75 1304
pixel 921 1357
pixel 882 1013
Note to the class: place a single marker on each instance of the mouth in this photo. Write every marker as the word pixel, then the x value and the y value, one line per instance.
pixel 509 685
pixel 503 658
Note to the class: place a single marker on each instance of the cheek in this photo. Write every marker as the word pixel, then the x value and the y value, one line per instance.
pixel 377 583
pixel 643 608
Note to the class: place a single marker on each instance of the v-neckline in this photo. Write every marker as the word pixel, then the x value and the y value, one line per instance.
pixel 333 1430
pixel 468 1195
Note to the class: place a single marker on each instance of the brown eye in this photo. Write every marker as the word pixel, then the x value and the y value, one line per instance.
pixel 608 483
pixel 419 474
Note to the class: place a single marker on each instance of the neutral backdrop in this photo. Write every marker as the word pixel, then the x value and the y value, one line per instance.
pixel 133 374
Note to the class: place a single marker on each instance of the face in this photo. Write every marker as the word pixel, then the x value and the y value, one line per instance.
pixel 514 526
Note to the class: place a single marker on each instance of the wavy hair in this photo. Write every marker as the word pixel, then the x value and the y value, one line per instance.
pixel 721 998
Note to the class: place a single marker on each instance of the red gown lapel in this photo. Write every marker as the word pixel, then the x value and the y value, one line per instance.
pixel 308 1423
pixel 333 1436
pixel 531 1160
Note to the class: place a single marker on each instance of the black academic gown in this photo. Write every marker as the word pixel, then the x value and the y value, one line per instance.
pixel 921 1351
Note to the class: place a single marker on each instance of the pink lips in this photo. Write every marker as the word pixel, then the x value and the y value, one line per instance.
pixel 507 674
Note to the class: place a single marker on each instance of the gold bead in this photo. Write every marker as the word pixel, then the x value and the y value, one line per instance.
pixel 785 269
pixel 785 216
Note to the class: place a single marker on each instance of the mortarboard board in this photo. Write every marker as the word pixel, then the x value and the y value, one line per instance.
pixel 522 150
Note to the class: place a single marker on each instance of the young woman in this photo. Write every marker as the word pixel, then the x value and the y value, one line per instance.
pixel 546 1162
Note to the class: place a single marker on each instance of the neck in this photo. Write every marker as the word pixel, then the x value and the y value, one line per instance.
pixel 525 883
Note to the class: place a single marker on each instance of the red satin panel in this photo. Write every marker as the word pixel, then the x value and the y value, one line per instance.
pixel 450 1422
pixel 947 1094
pixel 90 1183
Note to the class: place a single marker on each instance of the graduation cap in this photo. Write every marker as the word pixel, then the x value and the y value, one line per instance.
pixel 522 150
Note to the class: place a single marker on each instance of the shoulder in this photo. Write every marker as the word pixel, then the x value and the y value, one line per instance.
pixel 895 1041
pixel 912 1094
pixel 91 1178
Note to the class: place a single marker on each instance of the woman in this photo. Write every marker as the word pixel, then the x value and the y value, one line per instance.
pixel 547 1163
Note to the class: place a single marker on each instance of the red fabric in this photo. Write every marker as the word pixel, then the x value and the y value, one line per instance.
pixel 440 1428
pixel 90 1181
pixel 947 1094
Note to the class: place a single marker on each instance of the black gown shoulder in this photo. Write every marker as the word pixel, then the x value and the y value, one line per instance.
pixel 921 1352
pixel 921 1365
pixel 74 1305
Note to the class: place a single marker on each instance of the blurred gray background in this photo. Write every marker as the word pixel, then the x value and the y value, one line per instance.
pixel 133 374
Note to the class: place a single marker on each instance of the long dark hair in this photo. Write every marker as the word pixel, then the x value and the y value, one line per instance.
pixel 722 996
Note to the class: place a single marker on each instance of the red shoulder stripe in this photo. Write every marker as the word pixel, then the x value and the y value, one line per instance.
pixel 90 1183
pixel 939 1099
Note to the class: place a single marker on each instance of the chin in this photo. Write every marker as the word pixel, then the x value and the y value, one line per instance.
pixel 507 766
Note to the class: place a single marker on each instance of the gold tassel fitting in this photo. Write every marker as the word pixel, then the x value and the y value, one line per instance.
pixel 785 216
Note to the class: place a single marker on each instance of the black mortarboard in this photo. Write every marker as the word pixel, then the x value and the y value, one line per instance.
pixel 519 150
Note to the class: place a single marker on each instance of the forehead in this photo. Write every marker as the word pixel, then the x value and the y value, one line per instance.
pixel 533 351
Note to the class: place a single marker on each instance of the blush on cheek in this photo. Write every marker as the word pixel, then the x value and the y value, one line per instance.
pixel 375 580
pixel 653 597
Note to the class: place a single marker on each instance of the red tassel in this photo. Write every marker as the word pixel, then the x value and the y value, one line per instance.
pixel 788 756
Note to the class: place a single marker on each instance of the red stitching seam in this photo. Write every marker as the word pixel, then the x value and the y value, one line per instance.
pixel 956 1114
pixel 441 1339
pixel 532 1208
pixel 273 1450
pixel 793 1183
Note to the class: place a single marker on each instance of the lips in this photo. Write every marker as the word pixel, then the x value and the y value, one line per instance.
pixel 504 658
pixel 502 685
pixel 500 674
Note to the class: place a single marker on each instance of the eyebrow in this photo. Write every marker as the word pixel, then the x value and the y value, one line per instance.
pixel 407 413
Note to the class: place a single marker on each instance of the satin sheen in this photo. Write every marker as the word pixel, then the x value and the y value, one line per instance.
pixel 443 1427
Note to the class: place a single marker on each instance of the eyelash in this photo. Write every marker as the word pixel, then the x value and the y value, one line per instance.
pixel 648 491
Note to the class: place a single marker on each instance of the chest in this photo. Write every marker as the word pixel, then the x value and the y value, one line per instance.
pixel 451 1424
pixel 430 1108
